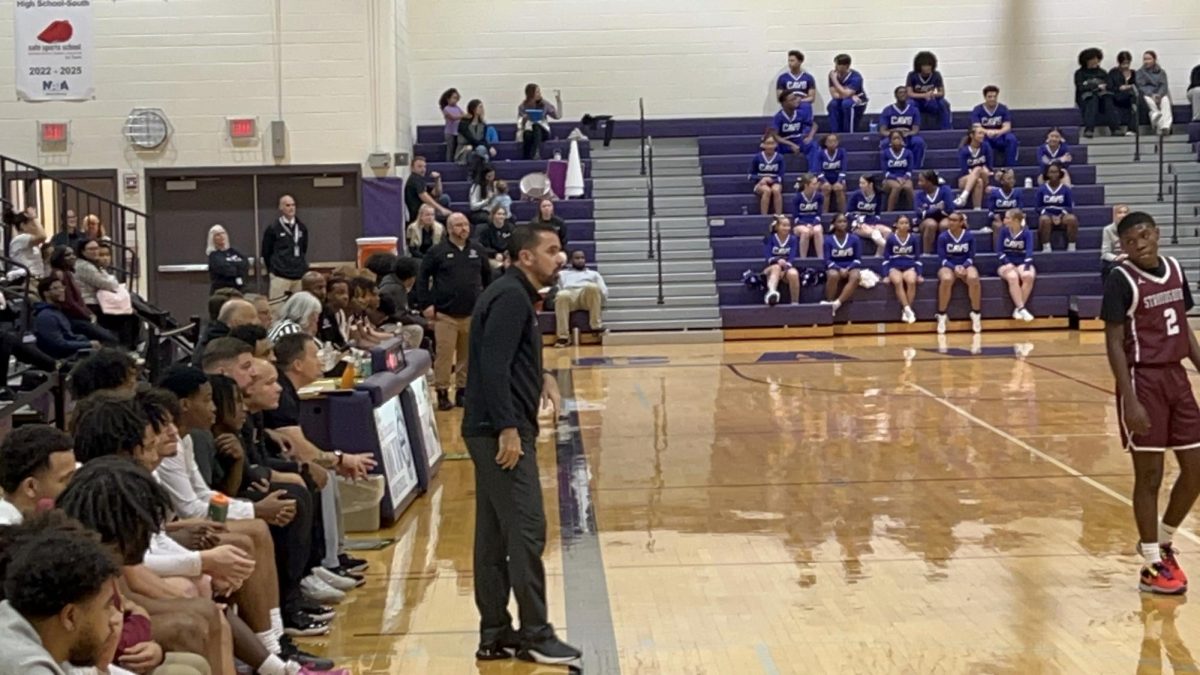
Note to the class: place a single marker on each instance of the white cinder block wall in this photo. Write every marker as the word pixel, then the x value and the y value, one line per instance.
pixel 343 91
pixel 719 57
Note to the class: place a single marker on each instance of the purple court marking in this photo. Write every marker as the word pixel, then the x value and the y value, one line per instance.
pixel 781 357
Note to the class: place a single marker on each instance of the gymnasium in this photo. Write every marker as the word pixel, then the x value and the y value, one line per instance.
pixel 549 336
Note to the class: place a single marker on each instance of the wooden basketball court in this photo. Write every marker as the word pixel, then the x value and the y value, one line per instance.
pixel 852 505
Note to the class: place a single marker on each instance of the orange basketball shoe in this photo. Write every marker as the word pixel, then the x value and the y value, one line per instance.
pixel 1157 578
pixel 1172 563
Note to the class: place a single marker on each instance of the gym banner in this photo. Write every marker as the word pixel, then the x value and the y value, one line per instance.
pixel 54 42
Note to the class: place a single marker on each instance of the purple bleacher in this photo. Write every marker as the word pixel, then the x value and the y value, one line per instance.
pixel 730 269
pixel 1050 285
pixel 934 140
pixel 460 191
pixel 1089 216
pixel 513 170
pixel 728 205
pixel 1087 306
pixel 753 316
pixel 759 315
pixel 722 126
pixel 752 247
pixel 568 210
pixel 945 161
pixel 506 150
pixel 579 319
pixel 738 183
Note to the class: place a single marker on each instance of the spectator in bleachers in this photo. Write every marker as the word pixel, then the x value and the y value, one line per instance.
pixel 227 267
pixel 927 90
pixel 1055 151
pixel 975 168
pixel 93 280
pixel 1092 94
pixel 424 232
pixel 578 288
pixel 482 195
pixel 782 248
pixel 1111 252
pixel 419 191
pixel 59 589
pixel 843 260
pixel 474 149
pixel 1193 93
pixel 452 276
pixel 451 113
pixel 93 228
pixel 1016 262
pixel 284 250
pixel 847 97
pixel 36 463
pixel 493 237
pixel 301 313
pixel 794 129
pixel 1055 206
pixel 25 247
pixel 831 173
pixel 52 328
pixel 898 166
pixel 796 79
pixel 62 265
pixel 766 172
pixel 806 214
pixel 996 121
pixel 1001 199
pixel 902 267
pixel 866 205
pixel 903 116
pixel 1155 92
pixel 956 253
pixel 933 205
pixel 1122 82
pixel 533 120
pixel 70 234
pixel 545 216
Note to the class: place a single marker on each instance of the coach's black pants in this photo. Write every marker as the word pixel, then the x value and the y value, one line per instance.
pixel 510 536
pixel 293 542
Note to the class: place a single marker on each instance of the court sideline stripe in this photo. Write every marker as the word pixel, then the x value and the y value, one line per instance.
pixel 1186 534
pixel 585 587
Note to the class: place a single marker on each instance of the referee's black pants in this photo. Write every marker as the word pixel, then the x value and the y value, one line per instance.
pixel 510 536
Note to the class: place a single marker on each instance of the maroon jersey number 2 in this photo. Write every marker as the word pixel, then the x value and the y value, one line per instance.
pixel 1154 332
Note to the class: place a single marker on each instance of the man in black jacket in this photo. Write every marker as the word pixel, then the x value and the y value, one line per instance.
pixel 285 250
pixel 453 274
pixel 500 428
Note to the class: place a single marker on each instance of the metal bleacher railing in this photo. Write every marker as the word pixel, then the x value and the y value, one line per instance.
pixel 23 185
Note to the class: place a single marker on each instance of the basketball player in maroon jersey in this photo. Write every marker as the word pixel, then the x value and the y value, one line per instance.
pixel 1146 300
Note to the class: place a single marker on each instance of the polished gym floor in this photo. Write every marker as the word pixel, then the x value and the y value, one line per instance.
pixel 853 505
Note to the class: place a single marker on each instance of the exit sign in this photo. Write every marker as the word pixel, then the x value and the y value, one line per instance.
pixel 242 128
pixel 52 132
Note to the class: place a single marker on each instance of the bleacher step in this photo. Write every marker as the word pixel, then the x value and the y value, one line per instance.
pixel 603 185
pixel 670 301
pixel 662 212
pixel 648 288
pixel 653 312
pixel 633 245
pixel 603 256
pixel 664 333
pixel 651 267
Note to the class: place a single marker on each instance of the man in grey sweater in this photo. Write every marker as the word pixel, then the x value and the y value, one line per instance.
pixel 1152 85
pixel 59 606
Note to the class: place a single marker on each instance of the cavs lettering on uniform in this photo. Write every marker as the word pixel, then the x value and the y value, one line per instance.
pixel 958 247
pixel 992 119
pixel 976 157
pixel 831 164
pixel 793 125
pixel 900 119
pixel 898 162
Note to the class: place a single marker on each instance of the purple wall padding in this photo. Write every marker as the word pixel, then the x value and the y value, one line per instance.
pixel 383 207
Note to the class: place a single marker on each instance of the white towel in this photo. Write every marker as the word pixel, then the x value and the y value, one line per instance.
pixel 574 187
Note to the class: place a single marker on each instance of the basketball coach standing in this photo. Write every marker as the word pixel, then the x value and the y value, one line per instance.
pixel 505 387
